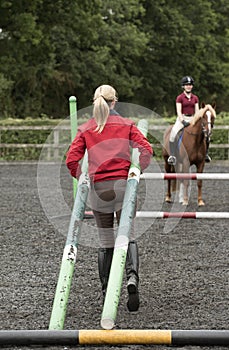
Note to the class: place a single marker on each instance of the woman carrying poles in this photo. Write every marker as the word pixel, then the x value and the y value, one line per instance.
pixel 108 139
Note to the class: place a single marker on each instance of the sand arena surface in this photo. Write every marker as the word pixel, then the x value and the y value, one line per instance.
pixel 184 270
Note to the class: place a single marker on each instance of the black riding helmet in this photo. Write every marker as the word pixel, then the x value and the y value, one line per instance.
pixel 187 80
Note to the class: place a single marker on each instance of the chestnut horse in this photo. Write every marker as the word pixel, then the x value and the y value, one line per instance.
pixel 191 149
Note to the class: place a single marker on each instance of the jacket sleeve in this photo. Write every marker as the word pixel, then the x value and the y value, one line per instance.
pixel 138 140
pixel 75 154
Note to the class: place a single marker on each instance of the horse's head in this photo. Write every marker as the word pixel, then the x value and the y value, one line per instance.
pixel 207 116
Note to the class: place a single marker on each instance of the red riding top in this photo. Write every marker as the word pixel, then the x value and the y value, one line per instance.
pixel 188 104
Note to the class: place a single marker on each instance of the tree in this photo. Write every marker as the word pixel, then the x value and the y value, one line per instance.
pixel 184 40
pixel 101 44
pixel 26 58
pixel 52 50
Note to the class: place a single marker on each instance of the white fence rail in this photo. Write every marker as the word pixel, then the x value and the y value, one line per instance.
pixel 53 147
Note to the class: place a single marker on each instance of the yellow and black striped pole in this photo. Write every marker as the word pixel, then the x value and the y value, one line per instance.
pixel 114 337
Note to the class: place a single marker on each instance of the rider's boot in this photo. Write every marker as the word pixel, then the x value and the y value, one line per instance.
pixel 132 265
pixel 172 157
pixel 104 262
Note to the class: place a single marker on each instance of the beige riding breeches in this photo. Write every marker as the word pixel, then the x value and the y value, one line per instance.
pixel 177 127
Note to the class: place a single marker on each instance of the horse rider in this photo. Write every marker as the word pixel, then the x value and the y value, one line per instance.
pixel 187 104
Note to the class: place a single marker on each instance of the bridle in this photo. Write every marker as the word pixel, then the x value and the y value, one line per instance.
pixel 206 126
pixel 207 131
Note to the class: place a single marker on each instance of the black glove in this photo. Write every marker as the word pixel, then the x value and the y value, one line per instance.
pixel 185 123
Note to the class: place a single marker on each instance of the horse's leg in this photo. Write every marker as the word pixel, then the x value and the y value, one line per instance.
pixel 200 199
pixel 181 185
pixel 200 169
pixel 168 197
pixel 186 188
pixel 185 184
pixel 168 167
pixel 181 192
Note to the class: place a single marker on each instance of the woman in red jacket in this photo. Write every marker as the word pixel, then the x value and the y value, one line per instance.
pixel 108 138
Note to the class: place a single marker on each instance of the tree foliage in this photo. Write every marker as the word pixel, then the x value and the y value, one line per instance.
pixel 52 50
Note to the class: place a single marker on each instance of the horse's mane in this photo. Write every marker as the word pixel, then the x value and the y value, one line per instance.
pixel 200 113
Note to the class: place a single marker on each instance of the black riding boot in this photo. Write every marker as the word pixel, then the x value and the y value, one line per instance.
pixel 105 256
pixel 132 265
pixel 207 157
pixel 172 157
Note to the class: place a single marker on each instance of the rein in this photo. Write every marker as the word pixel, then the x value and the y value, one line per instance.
pixel 207 132
pixel 196 133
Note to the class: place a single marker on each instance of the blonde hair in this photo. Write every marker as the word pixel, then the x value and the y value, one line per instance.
pixel 103 96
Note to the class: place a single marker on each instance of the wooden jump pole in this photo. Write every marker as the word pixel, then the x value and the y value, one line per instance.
pixel 121 243
pixel 70 251
pixel 114 337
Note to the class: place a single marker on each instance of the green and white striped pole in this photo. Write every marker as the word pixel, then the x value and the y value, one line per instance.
pixel 70 251
pixel 74 128
pixel 121 244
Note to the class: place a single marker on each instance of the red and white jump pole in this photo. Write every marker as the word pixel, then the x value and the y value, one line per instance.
pixel 183 215
pixel 185 176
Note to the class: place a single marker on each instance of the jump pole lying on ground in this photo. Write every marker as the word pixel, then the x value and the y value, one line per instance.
pixel 121 243
pixel 115 337
pixel 74 127
pixel 185 176
pixel 70 251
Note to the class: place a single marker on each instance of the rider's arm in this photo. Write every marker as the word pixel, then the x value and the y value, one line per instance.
pixel 196 107
pixel 179 109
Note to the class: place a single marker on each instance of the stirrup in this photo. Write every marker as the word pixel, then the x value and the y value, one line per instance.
pixel 172 160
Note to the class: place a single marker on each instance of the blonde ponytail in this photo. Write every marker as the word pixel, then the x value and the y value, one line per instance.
pixel 103 96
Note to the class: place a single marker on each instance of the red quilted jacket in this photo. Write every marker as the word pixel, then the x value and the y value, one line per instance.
pixel 109 152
